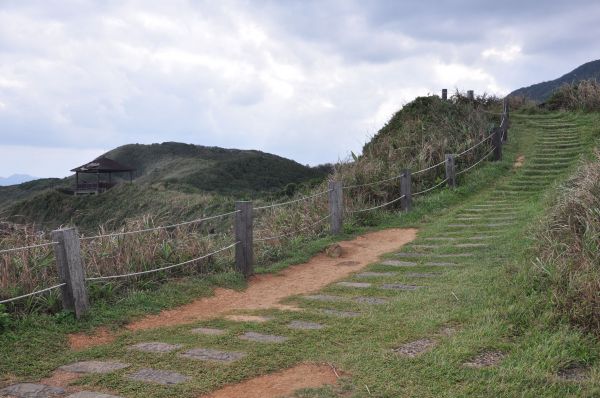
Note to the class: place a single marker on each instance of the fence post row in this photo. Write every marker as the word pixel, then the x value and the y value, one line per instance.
pixel 70 270
pixel 336 206
pixel 451 170
pixel 405 190
pixel 244 251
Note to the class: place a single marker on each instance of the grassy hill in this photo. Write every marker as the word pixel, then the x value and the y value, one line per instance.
pixel 542 91
pixel 172 180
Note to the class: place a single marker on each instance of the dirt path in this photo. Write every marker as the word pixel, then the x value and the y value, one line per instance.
pixel 266 291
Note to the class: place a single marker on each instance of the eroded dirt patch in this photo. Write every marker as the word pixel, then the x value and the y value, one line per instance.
pixel 573 373
pixel 519 162
pixel 265 291
pixel 80 341
pixel 282 383
pixel 61 378
pixel 485 359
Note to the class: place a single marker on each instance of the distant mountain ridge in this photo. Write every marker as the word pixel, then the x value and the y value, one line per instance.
pixel 542 91
pixel 16 179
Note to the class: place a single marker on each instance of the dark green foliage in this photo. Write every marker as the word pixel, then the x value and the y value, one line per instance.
pixel 542 91
pixel 581 96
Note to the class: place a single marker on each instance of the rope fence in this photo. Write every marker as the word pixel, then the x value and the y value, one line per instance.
pixel 68 253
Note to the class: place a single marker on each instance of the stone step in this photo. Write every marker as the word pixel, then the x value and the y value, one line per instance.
pixel 397 263
pixel 302 325
pixel 376 274
pixel 263 338
pixel 399 286
pixel 154 346
pixel 97 367
pixel 91 394
pixel 31 390
pixel 340 314
pixel 211 355
pixel 440 264
pixel 434 255
pixel 209 331
pixel 361 285
pixel 370 300
pixel 148 375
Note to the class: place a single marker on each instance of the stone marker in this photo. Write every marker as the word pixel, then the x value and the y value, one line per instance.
pixel 361 285
pixel 209 331
pixel 305 325
pixel 158 376
pixel 397 263
pixel 155 347
pixel 263 338
pixel 94 367
pixel 370 300
pixel 90 394
pixel 399 286
pixel 341 314
pixel 324 297
pixel 208 354
pixel 375 274
pixel 31 390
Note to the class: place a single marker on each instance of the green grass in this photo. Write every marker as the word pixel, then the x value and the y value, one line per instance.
pixel 487 298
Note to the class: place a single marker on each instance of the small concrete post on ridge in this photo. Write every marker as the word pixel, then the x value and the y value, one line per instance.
pixel 470 95
pixel 450 171
pixel 444 94
pixel 70 270
pixel 244 251
pixel 405 190
pixel 336 206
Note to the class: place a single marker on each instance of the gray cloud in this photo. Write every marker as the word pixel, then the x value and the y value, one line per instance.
pixel 310 80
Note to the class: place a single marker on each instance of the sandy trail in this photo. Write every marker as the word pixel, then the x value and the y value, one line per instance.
pixel 266 291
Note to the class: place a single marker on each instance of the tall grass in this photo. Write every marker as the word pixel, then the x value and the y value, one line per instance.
pixel 581 96
pixel 569 250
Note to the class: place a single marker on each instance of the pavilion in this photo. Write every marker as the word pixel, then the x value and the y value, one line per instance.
pixel 99 166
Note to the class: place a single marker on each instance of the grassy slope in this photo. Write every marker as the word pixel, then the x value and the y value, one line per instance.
pixel 487 298
pixel 174 180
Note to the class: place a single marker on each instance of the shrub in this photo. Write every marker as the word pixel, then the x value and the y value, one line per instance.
pixel 582 96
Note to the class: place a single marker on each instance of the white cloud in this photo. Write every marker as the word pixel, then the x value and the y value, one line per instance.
pixel 506 54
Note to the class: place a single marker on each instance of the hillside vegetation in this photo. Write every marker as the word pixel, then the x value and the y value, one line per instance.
pixel 583 96
pixel 542 91
pixel 173 181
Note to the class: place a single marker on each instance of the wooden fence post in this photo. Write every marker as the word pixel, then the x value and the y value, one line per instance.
pixel 497 143
pixel 506 119
pixel 70 270
pixel 405 190
pixel 336 206
pixel 444 94
pixel 244 250
pixel 450 171
pixel 471 95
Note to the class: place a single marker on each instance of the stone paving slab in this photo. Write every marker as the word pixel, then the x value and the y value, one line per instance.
pixel 341 314
pixel 399 286
pixel 91 394
pixel 411 255
pixel 465 245
pixel 370 300
pixel 440 264
pixel 163 377
pixel 362 285
pixel 302 325
pixel 209 331
pixel 398 263
pixel 421 274
pixel 415 348
pixel 263 338
pixel 324 297
pixel 94 367
pixel 31 390
pixel 156 347
pixel 375 274
pixel 208 354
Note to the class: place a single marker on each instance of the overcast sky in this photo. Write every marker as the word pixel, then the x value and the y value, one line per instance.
pixel 308 80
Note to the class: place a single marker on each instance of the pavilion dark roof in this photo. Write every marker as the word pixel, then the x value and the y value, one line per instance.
pixel 102 165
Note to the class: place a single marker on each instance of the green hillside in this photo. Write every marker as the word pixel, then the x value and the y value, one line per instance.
pixel 172 180
pixel 542 91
